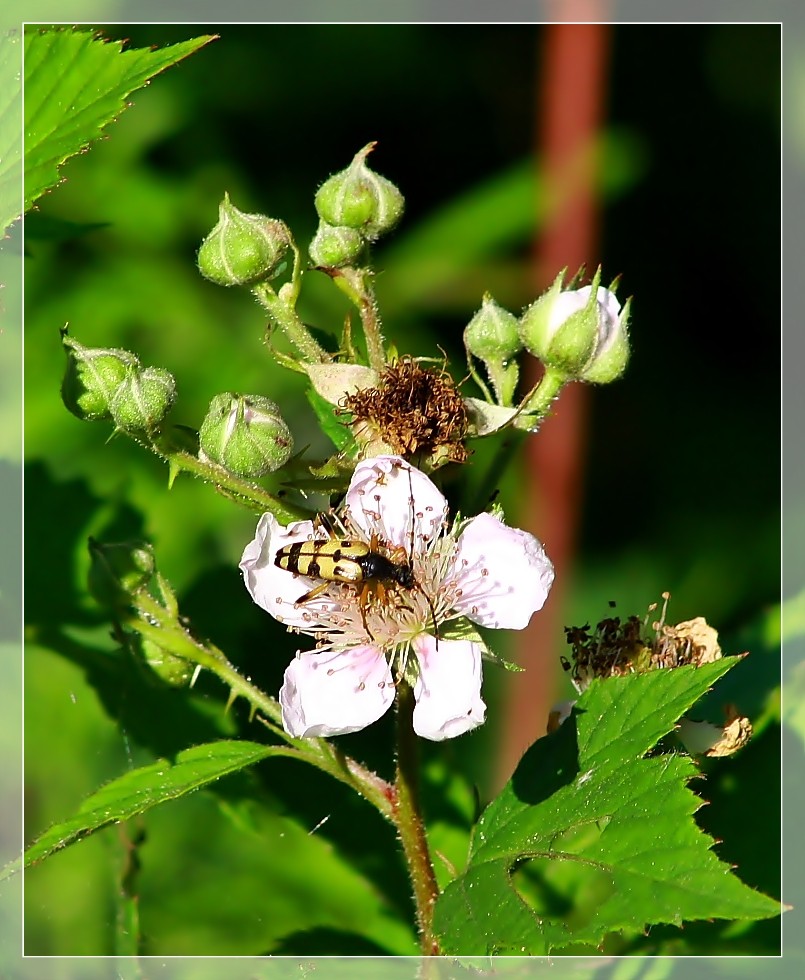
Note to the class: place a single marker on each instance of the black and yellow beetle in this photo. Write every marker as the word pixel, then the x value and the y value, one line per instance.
pixel 344 560
pixel 351 562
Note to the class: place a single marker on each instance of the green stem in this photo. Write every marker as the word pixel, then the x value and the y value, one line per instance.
pixel 407 817
pixel 537 403
pixel 158 625
pixel 476 377
pixel 539 400
pixel 295 285
pixel 250 494
pixel 353 283
pixel 283 315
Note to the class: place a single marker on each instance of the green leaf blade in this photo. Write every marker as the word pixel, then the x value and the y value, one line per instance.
pixel 141 789
pixel 10 126
pixel 75 84
pixel 590 838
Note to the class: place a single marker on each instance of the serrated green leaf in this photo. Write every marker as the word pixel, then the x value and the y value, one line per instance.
pixel 75 84
pixel 606 836
pixel 10 127
pixel 144 788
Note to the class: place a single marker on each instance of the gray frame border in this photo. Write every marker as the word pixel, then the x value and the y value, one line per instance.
pixel 786 13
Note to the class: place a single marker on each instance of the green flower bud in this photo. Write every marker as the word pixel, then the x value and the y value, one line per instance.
pixel 245 434
pixel 612 353
pixel 171 669
pixel 492 334
pixel 143 399
pixel 581 333
pixel 93 375
pixel 242 248
pixel 118 571
pixel 335 246
pixel 359 198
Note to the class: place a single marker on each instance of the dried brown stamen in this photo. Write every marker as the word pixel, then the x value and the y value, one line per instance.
pixel 415 410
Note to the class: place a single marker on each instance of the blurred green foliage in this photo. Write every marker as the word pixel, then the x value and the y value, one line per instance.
pixel 681 480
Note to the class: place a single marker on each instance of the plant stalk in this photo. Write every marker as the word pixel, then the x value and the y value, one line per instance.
pixel 160 626
pixel 256 498
pixel 352 282
pixel 407 816
pixel 286 319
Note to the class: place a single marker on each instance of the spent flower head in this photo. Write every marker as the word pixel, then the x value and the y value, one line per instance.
pixel 411 411
pixel 393 596
pixel 615 647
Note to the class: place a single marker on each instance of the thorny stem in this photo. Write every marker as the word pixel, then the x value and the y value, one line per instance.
pixel 283 315
pixel 163 628
pixel 407 817
pixel 255 497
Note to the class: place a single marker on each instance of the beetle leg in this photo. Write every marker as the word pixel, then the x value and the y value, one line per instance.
pixel 363 602
pixel 312 594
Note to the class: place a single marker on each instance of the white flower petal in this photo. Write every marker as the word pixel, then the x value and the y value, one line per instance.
pixel 609 315
pixel 335 693
pixel 273 588
pixel 570 301
pixel 503 573
pixel 448 689
pixel 379 501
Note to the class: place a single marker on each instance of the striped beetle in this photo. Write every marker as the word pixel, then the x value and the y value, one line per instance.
pixel 343 560
pixel 351 561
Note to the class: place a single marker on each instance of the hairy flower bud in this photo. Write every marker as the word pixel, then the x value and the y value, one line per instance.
pixel 579 332
pixel 492 335
pixel 118 571
pixel 92 376
pixel 242 248
pixel 245 434
pixel 172 670
pixel 143 399
pixel 359 198
pixel 335 246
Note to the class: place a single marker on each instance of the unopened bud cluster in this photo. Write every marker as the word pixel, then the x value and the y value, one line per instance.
pixel 355 206
pixel 110 384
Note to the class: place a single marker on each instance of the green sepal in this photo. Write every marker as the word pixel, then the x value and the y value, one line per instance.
pixel 464 629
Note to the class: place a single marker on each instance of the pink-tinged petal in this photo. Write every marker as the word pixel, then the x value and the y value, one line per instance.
pixel 448 689
pixel 275 589
pixel 379 502
pixel 502 573
pixel 335 693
